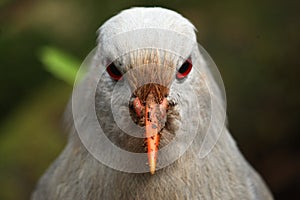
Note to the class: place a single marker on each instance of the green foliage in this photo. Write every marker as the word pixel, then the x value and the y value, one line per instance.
pixel 59 63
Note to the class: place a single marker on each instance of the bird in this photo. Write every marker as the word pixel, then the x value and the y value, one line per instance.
pixel 148 120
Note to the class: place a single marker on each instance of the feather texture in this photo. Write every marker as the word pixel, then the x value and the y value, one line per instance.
pixel 149 55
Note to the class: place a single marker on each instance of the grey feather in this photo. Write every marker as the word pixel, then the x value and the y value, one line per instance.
pixel 222 174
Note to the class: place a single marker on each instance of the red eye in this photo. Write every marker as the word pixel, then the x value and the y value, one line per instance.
pixel 185 69
pixel 113 71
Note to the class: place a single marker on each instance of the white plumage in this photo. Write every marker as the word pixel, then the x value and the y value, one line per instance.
pixel 154 42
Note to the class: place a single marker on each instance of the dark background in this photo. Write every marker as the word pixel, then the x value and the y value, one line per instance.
pixel 255 44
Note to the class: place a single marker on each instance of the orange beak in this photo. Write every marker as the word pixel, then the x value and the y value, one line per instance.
pixel 155 119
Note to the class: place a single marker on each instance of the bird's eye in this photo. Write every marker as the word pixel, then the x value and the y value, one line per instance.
pixel 185 69
pixel 113 71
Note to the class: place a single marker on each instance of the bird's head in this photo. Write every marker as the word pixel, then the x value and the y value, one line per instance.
pixel 147 97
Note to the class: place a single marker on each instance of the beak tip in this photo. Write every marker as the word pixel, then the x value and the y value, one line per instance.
pixel 152 170
pixel 152 164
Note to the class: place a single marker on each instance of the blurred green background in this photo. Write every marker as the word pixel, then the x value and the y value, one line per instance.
pixel 254 43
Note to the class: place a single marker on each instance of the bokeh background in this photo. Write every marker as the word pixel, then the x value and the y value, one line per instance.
pixel 254 43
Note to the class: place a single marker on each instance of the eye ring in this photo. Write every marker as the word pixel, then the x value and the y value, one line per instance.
pixel 113 72
pixel 185 69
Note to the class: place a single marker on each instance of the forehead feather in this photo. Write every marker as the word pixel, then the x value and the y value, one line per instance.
pixel 140 28
pixel 140 18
